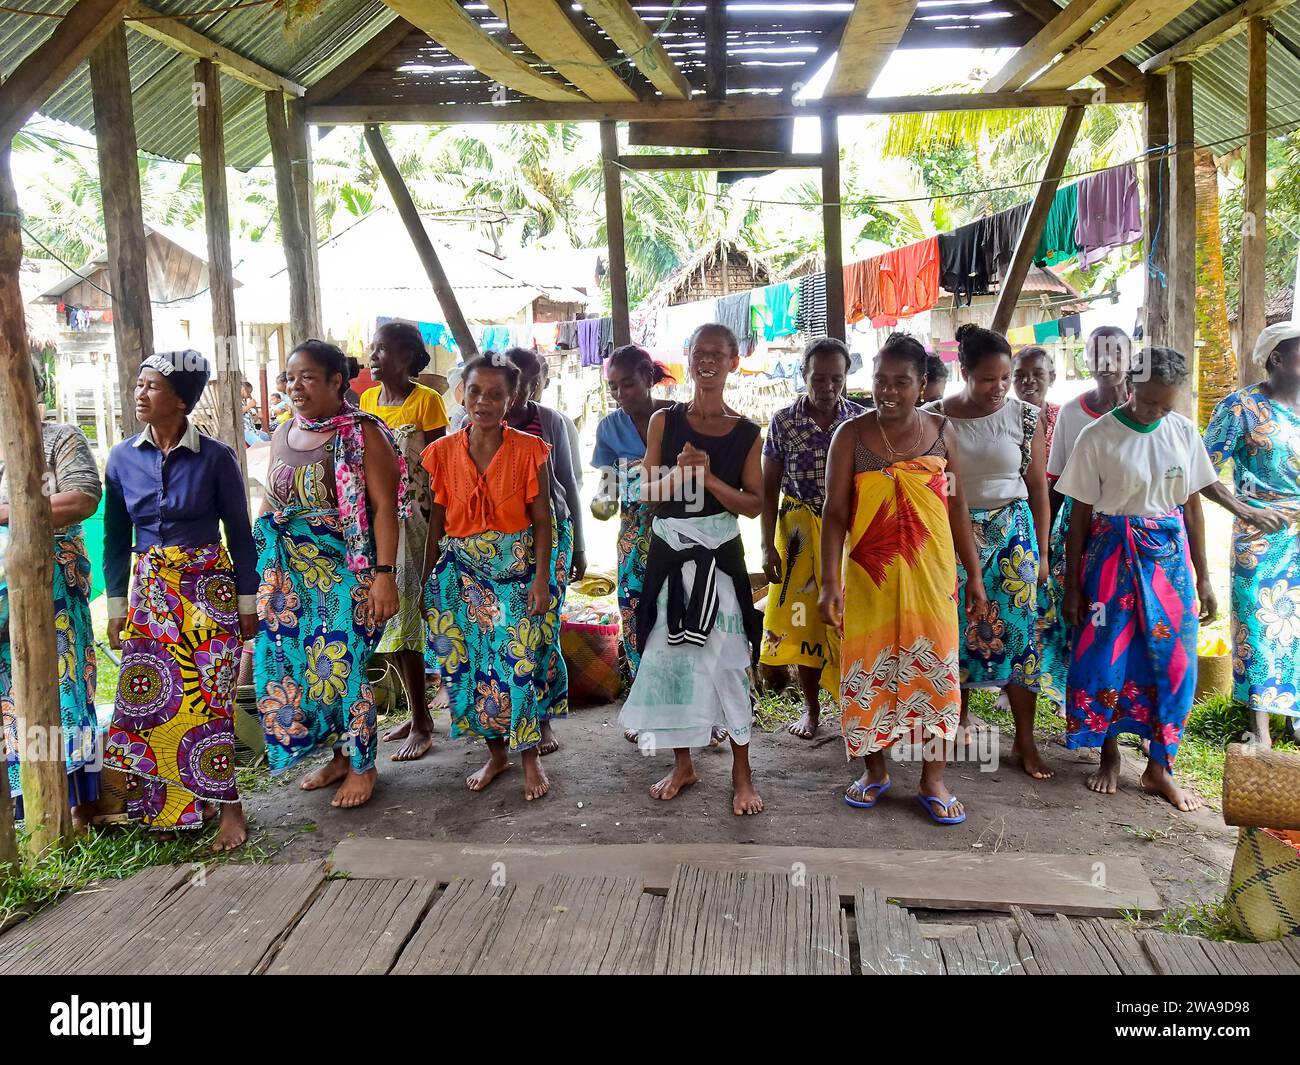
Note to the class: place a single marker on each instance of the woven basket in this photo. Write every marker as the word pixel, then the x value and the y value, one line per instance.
pixel 1213 676
pixel 591 654
pixel 1263 899
pixel 112 793
pixel 1261 787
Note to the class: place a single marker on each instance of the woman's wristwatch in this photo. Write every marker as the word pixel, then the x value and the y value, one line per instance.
pixel 385 569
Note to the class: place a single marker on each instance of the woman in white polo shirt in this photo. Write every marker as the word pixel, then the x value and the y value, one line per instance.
pixel 1136 538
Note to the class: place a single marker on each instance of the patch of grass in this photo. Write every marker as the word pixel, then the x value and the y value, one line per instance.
pixel 1209 920
pixel 111 854
pixel 775 710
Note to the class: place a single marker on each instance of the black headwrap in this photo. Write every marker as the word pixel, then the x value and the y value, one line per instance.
pixel 186 371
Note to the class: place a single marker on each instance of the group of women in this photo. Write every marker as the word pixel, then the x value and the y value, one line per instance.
pixel 917 550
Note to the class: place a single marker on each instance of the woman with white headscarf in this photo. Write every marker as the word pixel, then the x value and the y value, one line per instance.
pixel 1258 429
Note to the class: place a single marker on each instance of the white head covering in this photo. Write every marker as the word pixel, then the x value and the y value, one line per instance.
pixel 1271 336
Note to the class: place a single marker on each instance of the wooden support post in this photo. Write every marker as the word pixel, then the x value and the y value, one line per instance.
pixel 614 234
pixel 715 49
pixel 29 564
pixel 1155 222
pixel 296 256
pixel 227 372
pixel 305 193
pixel 832 233
pixel 8 841
pixel 119 183
pixel 1251 313
pixel 1182 229
pixel 1014 279
pixel 410 216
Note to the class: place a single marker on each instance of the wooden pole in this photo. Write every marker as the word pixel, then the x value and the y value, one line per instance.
pixel 410 216
pixel 305 194
pixel 119 183
pixel 296 256
pixel 29 563
pixel 832 227
pixel 715 49
pixel 221 282
pixel 1252 312
pixel 614 234
pixel 8 841
pixel 1182 229
pixel 1155 220
pixel 1014 280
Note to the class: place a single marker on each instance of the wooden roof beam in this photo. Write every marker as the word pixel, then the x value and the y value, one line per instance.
pixel 191 42
pixel 870 36
pixel 446 22
pixel 77 34
pixel 634 39
pixel 547 31
pixel 358 62
pixel 1068 25
pixel 1132 23
pixel 1211 35
pixel 1119 71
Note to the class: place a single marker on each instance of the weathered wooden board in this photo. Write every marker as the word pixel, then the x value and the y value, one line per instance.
pixel 454 934
pixel 1113 938
pixel 750 922
pixel 1177 955
pixel 355 927
pixel 222 924
pixel 943 880
pixel 890 941
pixel 68 937
pixel 637 951
pixel 986 949
pixel 1060 947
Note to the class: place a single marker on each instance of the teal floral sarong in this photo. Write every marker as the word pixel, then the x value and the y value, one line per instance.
pixel 75 654
pixel 312 645
pixel 501 667
pixel 1053 632
pixel 1000 647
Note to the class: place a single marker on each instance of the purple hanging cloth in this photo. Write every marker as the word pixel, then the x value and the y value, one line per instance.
pixel 1108 213
pixel 589 341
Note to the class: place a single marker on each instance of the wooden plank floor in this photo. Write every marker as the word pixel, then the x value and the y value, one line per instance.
pixel 282 919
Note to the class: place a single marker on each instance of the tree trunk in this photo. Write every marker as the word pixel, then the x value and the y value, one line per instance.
pixel 1218 362
pixel 29 563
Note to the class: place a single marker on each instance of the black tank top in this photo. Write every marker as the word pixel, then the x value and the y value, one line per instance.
pixel 727 456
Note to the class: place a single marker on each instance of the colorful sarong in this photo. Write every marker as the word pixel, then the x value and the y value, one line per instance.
pixel 793 633
pixel 1053 631
pixel 313 648
pixel 1000 646
pixel 633 553
pixel 1134 660
pixel 75 651
pixel 898 659
pixel 173 733
pixel 405 629
pixel 492 655
pixel 553 692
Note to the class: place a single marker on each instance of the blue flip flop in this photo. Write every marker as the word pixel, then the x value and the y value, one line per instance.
pixel 879 790
pixel 925 801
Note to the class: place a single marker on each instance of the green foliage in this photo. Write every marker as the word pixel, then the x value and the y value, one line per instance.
pixel 1218 720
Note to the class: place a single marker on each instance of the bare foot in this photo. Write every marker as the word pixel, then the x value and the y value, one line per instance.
pixel 496 765
pixel 330 773
pixel 674 782
pixel 536 783
pixel 630 735
pixel 1106 779
pixel 1156 780
pixel 418 744
pixel 745 798
pixel 233 831
pixel 1030 760
pixel 356 789
pixel 398 732
pixel 549 744
pixel 970 726
pixel 717 736
pixel 806 727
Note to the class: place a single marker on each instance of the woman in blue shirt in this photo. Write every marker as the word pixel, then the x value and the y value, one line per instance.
pixel 192 604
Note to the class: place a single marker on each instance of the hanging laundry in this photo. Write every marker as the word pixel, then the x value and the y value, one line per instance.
pixel 734 313
pixel 1108 215
pixel 907 282
pixel 589 341
pixel 1046 332
pixel 1070 326
pixel 1059 241
pixel 1021 336
pixel 1002 232
pixel 605 336
pixel 859 291
pixel 811 316
pixel 681 320
pixel 568 337
pixel 772 310
pixel 545 335
pixel 494 338
pixel 963 263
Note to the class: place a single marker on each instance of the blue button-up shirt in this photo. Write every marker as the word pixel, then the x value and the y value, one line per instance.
pixel 175 500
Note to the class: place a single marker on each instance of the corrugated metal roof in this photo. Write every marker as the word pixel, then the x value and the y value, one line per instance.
pixel 161 77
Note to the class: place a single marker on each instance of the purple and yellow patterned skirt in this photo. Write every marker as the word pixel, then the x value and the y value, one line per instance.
pixel 173 732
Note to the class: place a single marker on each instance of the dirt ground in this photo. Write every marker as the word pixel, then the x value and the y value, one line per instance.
pixel 599 795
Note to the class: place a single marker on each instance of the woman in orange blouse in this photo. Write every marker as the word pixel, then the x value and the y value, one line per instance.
pixel 491 601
